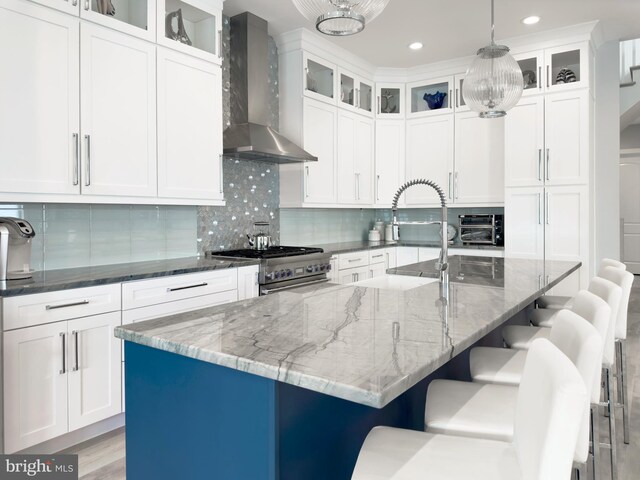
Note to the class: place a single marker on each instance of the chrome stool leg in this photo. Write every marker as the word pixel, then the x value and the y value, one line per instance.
pixel 595 439
pixel 612 425
pixel 621 365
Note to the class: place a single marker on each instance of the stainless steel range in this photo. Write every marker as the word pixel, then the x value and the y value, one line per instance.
pixel 285 268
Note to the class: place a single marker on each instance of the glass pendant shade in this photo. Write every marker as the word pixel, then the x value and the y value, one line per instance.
pixel 493 83
pixel 340 17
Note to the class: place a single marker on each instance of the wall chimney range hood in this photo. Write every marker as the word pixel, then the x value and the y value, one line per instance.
pixel 248 137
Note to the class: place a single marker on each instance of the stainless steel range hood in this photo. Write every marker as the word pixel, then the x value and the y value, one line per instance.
pixel 248 137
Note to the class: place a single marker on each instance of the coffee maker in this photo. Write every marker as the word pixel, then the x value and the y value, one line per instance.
pixel 15 249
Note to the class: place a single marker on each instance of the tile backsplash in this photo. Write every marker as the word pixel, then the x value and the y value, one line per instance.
pixel 83 235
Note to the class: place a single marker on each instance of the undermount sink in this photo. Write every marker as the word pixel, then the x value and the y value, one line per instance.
pixel 394 282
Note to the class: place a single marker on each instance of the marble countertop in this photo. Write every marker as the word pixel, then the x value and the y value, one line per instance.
pixel 63 279
pixel 365 345
pixel 347 247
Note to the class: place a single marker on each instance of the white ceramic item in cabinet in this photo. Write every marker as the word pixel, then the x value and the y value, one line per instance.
pixel 355 93
pixel 319 78
pixel 417 106
pixel 524 144
pixel 430 155
pixel 355 158
pixel 390 101
pixel 524 232
pixel 479 160
pixel 189 127
pixel 389 160
pixel 531 64
pixel 133 17
pixel 39 123
pixel 202 21
pixel 567 138
pixel 571 60
pixel 118 116
pixel 94 369
pixel 35 385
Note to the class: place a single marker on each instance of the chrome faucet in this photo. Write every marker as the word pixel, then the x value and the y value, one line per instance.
pixel 443 261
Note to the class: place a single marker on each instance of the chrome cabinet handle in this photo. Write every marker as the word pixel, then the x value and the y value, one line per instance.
pixel 379 111
pixel 76 367
pixel 357 99
pixel 547 167
pixel 457 98
pixel 87 181
pixel 377 187
pixel 540 164
pixel 177 289
pixel 548 201
pixel 377 256
pixel 86 4
pixel 548 77
pixel 455 186
pixel 63 336
pixel 354 260
pixel 450 185
pixel 540 77
pixel 219 43
pixel 450 98
pixel 306 76
pixel 76 166
pixel 74 3
pixel 65 305
pixel 539 209
pixel 306 182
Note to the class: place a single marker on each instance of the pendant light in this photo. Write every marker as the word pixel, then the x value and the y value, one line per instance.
pixel 493 83
pixel 340 17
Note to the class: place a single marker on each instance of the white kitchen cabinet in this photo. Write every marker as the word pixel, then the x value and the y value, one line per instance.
pixel 417 92
pixel 524 144
pixel 320 78
pixel 189 127
pixel 351 275
pixel 320 136
pixel 479 160
pixel 377 270
pixel 355 93
pixel 406 256
pixel 133 17
pixel 531 64
pixel 333 274
pixel 248 286
pixel 566 223
pixel 353 259
pixel 35 385
pixel 390 258
pixel 567 127
pixel 355 158
pixel 118 115
pixel 524 207
pixel 429 155
pixel 426 253
pixel 39 124
pixel 574 57
pixel 389 160
pixel 390 100
pixel 94 369
pixel 68 6
pixel 377 256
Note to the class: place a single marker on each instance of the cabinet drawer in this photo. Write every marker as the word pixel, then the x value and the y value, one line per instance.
pixel 177 287
pixel 352 260
pixel 377 256
pixel 36 309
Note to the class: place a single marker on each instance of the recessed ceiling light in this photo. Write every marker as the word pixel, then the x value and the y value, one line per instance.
pixel 416 46
pixel 532 20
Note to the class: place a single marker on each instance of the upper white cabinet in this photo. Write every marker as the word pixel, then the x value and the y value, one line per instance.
pixel 532 66
pixel 67 6
pixel 133 17
pixel 118 117
pixel 356 93
pixel 432 97
pixel 390 101
pixel 202 20
pixel 355 158
pixel 320 134
pixel 189 127
pixel 319 78
pixel 389 160
pixel 478 177
pixel 524 143
pixel 39 118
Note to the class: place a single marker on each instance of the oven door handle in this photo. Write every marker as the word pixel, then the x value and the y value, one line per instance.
pixel 267 291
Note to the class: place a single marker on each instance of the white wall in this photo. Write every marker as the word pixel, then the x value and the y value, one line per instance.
pixel 606 185
pixel 630 137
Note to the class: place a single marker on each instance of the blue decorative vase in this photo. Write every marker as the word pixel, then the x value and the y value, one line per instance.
pixel 434 100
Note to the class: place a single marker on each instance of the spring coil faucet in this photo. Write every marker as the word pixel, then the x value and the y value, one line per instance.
pixel 443 261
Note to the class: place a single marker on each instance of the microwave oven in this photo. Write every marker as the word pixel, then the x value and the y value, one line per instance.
pixel 481 229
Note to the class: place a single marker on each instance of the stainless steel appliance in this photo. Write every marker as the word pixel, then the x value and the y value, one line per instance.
pixel 260 240
pixel 15 248
pixel 285 268
pixel 482 229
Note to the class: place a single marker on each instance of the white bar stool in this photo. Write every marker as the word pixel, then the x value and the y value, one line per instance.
pixel 550 406
pixel 624 280
pixel 488 410
pixel 557 301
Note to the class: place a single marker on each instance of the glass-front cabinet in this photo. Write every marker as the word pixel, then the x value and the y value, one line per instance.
pixel 531 64
pixel 458 97
pixel 566 66
pixel 390 100
pixel 355 93
pixel 431 97
pixel 135 17
pixel 319 78
pixel 192 26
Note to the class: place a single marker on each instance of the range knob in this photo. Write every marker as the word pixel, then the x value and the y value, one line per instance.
pixel 310 269
pixel 276 274
pixel 269 276
pixel 283 274
pixel 289 273
pixel 328 267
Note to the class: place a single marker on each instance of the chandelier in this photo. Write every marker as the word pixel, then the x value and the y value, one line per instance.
pixel 493 83
pixel 340 17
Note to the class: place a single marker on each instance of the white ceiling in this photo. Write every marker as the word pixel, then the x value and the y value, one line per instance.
pixel 450 28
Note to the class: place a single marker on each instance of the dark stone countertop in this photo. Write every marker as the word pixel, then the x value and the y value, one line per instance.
pixel 63 279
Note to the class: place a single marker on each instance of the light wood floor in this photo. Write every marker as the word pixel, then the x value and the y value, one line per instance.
pixel 104 458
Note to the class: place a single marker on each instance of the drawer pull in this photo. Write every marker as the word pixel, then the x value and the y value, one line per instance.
pixel 355 260
pixel 65 305
pixel 176 289
pixel 377 256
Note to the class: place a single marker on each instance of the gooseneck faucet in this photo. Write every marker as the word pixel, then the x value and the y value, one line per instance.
pixel 443 261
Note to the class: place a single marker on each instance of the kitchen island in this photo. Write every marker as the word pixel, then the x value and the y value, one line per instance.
pixel 287 386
